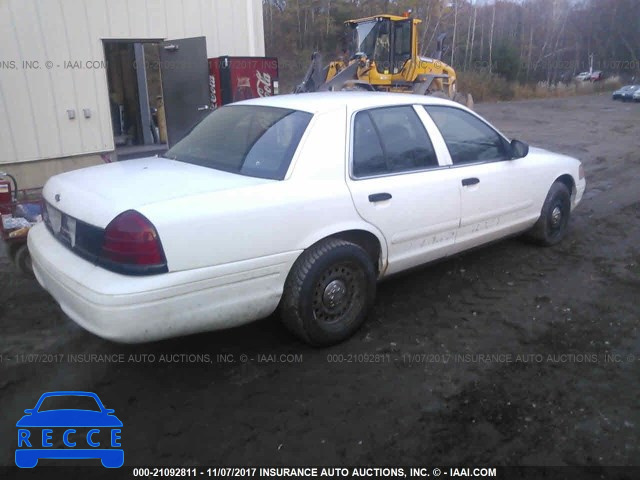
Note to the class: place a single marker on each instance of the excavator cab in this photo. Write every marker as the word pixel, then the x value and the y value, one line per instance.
pixel 387 41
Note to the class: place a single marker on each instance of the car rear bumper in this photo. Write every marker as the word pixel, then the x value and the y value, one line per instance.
pixel 28 458
pixel 581 186
pixel 140 309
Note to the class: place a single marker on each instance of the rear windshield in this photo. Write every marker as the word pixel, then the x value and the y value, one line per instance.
pixel 69 402
pixel 250 140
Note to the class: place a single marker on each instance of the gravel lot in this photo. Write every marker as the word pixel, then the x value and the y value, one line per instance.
pixel 508 355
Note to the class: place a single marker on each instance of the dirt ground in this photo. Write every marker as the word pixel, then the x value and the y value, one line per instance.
pixel 508 355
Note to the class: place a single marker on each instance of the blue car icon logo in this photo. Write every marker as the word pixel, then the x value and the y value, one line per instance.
pixel 69 425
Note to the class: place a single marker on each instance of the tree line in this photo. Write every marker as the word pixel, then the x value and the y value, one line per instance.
pixel 524 40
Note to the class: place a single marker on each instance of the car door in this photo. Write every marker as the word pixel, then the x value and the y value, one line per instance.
pixel 398 184
pixel 185 85
pixel 496 192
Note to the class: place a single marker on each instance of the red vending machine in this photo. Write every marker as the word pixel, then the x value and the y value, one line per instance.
pixel 232 79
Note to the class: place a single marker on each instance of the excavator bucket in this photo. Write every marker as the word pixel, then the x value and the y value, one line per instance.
pixel 314 78
pixel 424 82
pixel 337 82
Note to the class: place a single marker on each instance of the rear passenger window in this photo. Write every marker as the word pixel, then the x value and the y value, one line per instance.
pixel 468 138
pixel 390 140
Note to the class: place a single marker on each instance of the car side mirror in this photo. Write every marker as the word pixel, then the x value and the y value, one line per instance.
pixel 29 411
pixel 519 149
pixel 109 411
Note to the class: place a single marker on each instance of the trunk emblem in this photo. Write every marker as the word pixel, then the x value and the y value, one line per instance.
pixel 57 197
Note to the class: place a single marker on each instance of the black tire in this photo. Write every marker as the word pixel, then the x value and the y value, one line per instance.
pixel 354 88
pixel 460 97
pixel 465 99
pixel 552 225
pixel 22 261
pixel 440 94
pixel 12 248
pixel 328 293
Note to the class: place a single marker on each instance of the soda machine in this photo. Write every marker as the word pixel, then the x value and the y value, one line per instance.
pixel 232 79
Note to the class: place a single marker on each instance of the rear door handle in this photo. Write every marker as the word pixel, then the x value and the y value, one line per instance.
pixel 470 181
pixel 379 197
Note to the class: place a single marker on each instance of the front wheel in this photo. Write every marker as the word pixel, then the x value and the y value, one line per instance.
pixel 552 225
pixel 328 292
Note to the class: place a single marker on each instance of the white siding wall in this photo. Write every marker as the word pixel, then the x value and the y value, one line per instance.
pixel 34 102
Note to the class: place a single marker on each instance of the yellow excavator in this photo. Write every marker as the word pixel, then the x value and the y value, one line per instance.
pixel 384 56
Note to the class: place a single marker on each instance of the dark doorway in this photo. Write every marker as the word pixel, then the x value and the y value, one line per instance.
pixel 135 98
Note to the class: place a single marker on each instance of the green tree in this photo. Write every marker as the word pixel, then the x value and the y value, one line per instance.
pixel 506 61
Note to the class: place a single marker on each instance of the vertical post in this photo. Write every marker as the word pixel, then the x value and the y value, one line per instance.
pixel 414 40
pixel 143 93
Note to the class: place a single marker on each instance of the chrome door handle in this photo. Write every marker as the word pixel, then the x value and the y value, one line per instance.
pixel 203 108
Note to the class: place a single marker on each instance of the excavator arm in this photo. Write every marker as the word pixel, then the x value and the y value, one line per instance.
pixel 316 75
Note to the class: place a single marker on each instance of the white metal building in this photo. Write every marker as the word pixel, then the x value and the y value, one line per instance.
pixel 58 98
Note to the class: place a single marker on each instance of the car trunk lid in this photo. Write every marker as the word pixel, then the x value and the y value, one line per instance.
pixel 96 195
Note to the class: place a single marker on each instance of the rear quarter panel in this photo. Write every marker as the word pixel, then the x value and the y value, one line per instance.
pixel 263 220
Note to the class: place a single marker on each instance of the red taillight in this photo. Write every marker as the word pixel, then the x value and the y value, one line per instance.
pixel 132 240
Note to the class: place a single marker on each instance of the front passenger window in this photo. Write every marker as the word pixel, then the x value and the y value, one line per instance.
pixel 468 138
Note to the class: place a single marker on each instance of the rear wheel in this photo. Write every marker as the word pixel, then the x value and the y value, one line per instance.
pixel 552 225
pixel 354 87
pixel 464 99
pixel 112 459
pixel 26 459
pixel 22 260
pixel 458 97
pixel 439 94
pixel 328 292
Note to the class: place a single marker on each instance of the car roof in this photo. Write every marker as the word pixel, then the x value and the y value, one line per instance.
pixel 326 101
pixel 72 393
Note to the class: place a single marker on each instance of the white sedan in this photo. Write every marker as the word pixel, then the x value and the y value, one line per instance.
pixel 299 203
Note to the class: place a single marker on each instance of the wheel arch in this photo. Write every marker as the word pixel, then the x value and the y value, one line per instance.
pixel 568 181
pixel 371 241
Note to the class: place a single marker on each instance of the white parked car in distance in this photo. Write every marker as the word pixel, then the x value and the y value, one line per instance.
pixel 296 202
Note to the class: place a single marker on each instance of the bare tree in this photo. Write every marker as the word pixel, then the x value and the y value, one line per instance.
pixel 544 34
pixel 473 32
pixel 455 29
pixel 493 22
